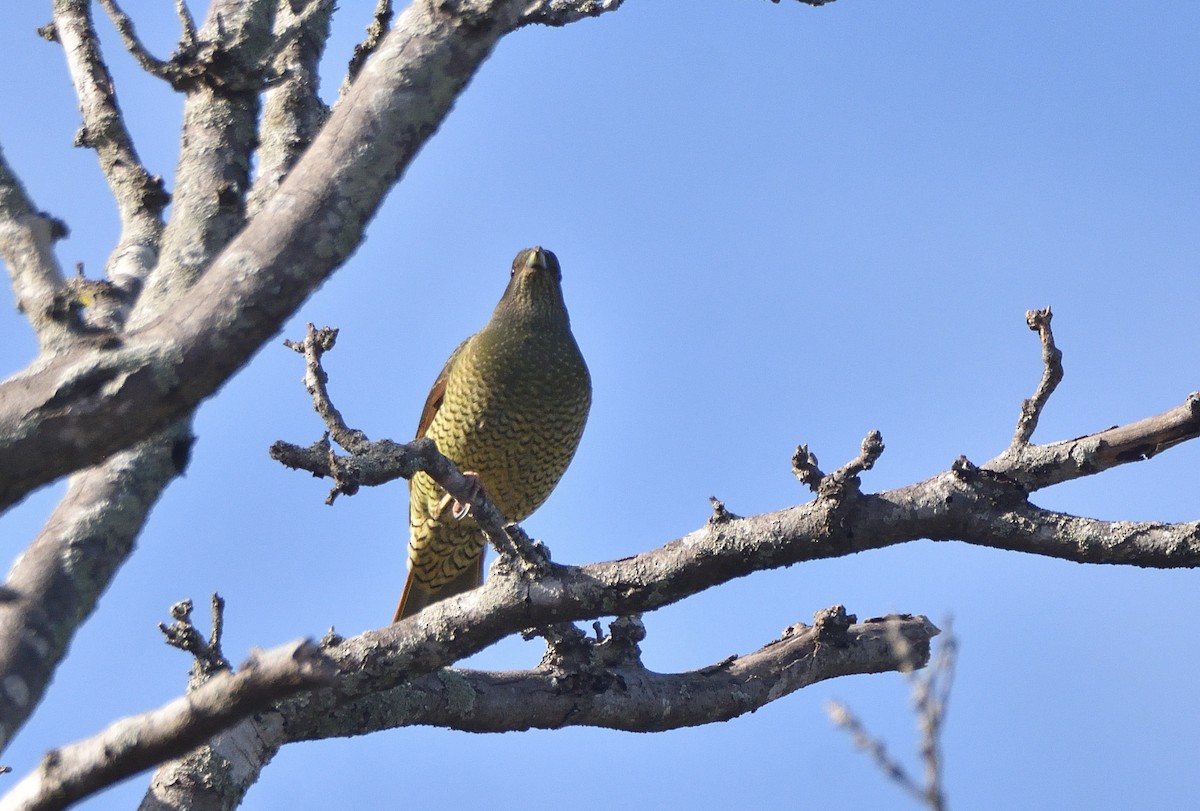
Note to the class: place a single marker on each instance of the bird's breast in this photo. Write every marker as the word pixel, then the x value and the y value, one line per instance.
pixel 514 412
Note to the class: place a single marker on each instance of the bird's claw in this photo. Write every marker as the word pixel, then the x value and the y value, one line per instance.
pixel 461 509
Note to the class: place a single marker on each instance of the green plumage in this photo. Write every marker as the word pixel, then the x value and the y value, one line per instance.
pixel 509 406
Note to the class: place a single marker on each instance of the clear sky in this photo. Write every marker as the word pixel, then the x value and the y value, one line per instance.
pixel 777 225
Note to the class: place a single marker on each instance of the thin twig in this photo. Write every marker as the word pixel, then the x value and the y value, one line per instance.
pixel 187 25
pixel 841 715
pixel 844 481
pixel 124 25
pixel 804 467
pixel 931 695
pixel 1052 374
pixel 315 344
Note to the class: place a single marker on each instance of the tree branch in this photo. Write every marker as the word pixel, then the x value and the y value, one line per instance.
pixel 132 744
pixel 125 27
pixel 966 503
pixel 315 344
pixel 140 196
pixel 623 695
pixel 27 239
pixel 58 580
pixel 292 112
pixel 615 692
pixel 987 507
pixel 212 176
pixel 1035 467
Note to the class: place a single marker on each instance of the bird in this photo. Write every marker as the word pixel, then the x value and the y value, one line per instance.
pixel 508 408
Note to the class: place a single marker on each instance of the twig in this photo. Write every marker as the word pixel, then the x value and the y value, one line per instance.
pixel 841 715
pixel 187 25
pixel 124 25
pixel 804 467
pixel 315 344
pixel 207 656
pixel 843 481
pixel 931 695
pixel 1052 374
pixel 847 475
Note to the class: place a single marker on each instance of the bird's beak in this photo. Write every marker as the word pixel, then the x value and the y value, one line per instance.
pixel 536 259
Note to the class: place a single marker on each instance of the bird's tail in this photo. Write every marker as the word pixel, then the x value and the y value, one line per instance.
pixel 417 596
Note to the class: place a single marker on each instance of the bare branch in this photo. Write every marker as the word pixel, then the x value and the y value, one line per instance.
pixel 804 467
pixel 1052 374
pixel 618 692
pixel 140 196
pixel 979 509
pixel 125 27
pixel 1035 467
pixel 292 112
pixel 315 344
pixel 207 658
pixel 931 695
pixel 187 25
pixel 59 578
pixel 212 176
pixel 844 482
pixel 132 744
pixel 609 689
pixel 842 716
pixel 27 239
pixel 987 506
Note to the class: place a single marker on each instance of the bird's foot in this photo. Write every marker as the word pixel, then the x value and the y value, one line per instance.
pixel 461 509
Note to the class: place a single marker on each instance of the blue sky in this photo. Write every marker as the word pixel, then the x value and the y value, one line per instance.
pixel 777 225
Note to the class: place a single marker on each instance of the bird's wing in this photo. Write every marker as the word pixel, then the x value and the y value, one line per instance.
pixel 436 394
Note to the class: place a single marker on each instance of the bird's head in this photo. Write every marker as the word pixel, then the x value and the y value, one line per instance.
pixel 537 260
pixel 535 287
